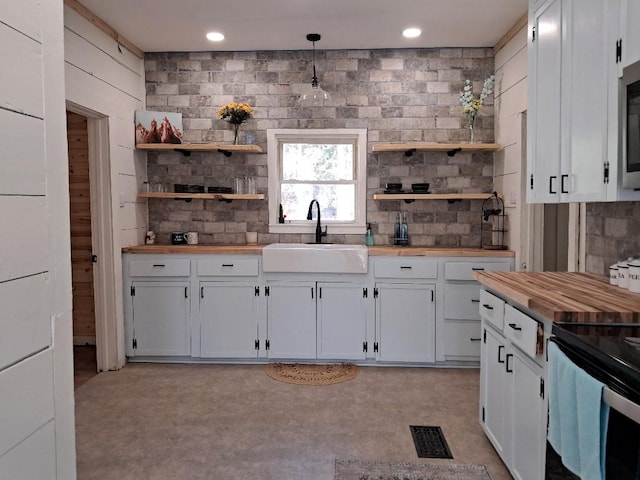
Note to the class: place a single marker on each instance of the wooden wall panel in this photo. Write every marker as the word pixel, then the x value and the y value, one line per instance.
pixel 84 322
pixel 22 168
pixel 24 323
pixel 21 87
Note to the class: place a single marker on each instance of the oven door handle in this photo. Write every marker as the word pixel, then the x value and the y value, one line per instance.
pixel 621 404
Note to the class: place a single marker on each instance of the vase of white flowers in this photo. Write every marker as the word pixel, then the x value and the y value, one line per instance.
pixel 470 104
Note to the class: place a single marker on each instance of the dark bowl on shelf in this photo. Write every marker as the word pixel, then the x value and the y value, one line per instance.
pixel 180 187
pixel 194 189
pixel 220 190
pixel 420 187
pixel 393 186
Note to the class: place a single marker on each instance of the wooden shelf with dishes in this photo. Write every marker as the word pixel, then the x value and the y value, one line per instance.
pixel 203 196
pixel 450 148
pixel 409 197
pixel 187 148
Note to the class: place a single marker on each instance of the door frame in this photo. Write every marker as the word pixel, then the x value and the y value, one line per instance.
pixel 102 239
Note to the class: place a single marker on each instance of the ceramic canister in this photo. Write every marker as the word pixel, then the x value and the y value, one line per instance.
pixel 634 276
pixel 623 275
pixel 613 274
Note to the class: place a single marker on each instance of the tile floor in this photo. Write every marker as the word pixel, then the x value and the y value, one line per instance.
pixel 154 421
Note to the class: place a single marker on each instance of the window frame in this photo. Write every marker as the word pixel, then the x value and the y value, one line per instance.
pixel 356 135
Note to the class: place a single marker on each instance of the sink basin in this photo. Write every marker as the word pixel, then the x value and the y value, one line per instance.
pixel 315 258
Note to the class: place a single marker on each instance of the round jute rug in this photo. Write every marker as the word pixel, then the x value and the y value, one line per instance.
pixel 306 374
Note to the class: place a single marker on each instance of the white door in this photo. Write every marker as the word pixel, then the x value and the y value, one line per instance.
pixel 291 320
pixel 544 134
pixel 527 418
pixel 228 320
pixel 160 319
pixel 341 321
pixel 493 363
pixel 405 322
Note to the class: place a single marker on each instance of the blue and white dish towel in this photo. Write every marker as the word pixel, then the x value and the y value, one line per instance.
pixel 578 416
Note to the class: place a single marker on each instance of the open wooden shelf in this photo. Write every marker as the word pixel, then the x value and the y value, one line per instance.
pixel 203 196
pixel 187 148
pixel 450 148
pixel 451 197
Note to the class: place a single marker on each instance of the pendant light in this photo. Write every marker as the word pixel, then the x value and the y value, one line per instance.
pixel 315 96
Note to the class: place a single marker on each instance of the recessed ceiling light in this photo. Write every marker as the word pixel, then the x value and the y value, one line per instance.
pixel 411 32
pixel 215 36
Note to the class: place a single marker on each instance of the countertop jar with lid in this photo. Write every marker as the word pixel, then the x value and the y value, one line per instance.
pixel 634 275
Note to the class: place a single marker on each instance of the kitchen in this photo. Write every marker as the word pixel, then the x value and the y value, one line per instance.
pixel 610 221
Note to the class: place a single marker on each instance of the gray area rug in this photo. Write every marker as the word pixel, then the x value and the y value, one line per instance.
pixel 369 470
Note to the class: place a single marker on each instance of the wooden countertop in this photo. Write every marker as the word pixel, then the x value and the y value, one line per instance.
pixel 373 251
pixel 566 297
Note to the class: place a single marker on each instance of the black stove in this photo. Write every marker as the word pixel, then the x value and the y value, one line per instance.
pixel 609 352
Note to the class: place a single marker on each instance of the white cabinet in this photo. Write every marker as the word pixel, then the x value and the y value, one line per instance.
pixel 229 319
pixel 630 34
pixel 291 320
pixel 570 154
pixel 405 322
pixel 512 404
pixel 160 319
pixel 342 321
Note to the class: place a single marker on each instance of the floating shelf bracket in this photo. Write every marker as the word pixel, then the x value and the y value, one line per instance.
pixel 410 152
pixel 454 200
pixel 453 151
pixel 226 153
pixel 186 153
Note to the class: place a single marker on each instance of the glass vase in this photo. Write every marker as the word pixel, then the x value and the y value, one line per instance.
pixel 236 130
pixel 471 117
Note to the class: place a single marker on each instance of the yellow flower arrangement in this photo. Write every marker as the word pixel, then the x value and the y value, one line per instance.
pixel 235 113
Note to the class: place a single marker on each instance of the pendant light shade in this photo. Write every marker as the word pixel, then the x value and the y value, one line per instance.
pixel 314 96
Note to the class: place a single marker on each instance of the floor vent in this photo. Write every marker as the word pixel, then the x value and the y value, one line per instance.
pixel 430 442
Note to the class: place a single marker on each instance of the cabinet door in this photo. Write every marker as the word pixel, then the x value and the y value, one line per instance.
pixel 494 389
pixel 341 321
pixel 630 19
pixel 161 318
pixel 228 320
pixel 527 417
pixel 544 134
pixel 291 320
pixel 586 57
pixel 405 322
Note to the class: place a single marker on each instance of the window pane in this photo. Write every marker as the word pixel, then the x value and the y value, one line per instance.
pixel 337 202
pixel 317 161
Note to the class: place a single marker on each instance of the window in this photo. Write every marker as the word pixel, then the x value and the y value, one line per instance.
pixel 326 165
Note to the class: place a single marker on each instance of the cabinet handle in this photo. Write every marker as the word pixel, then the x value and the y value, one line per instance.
pixel 477 269
pixel 551 179
pixel 405 268
pixel 487 306
pixel 312 292
pixel 562 179
pixel 515 326
pixel 201 292
pixel 227 264
pixel 475 300
pixel 509 370
pixel 500 350
pixel 158 265
pixel 186 295
pixel 474 339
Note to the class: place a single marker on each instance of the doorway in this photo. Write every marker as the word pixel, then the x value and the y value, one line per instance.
pixel 555 250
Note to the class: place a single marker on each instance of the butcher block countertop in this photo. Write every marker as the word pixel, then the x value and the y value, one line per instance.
pixel 373 251
pixel 566 297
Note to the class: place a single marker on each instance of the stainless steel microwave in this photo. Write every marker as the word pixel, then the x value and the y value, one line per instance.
pixel 630 122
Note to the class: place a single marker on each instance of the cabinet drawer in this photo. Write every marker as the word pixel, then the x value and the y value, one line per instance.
pixel 228 267
pixel 462 301
pixel 407 267
pixel 160 267
pixel 521 329
pixel 492 309
pixel 462 340
pixel 464 270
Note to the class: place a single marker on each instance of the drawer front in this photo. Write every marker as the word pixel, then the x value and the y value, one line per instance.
pixel 462 340
pixel 465 270
pixel 228 267
pixel 521 329
pixel 407 267
pixel 462 301
pixel 492 309
pixel 160 267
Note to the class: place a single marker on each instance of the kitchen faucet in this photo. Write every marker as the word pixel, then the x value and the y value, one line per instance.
pixel 319 232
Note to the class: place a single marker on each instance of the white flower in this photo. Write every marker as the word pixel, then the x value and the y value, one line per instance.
pixel 468 102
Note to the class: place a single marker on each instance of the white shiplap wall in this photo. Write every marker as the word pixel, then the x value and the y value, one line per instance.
pixel 108 82
pixel 510 103
pixel 37 438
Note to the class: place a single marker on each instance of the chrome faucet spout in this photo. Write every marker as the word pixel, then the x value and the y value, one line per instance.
pixel 319 232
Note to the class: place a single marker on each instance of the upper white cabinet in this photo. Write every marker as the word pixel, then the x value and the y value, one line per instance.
pixel 570 60
pixel 629 32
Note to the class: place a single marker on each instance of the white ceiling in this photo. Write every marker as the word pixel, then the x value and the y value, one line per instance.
pixel 181 25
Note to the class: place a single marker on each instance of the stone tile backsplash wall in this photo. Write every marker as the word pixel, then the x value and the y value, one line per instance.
pixel 613 233
pixel 408 95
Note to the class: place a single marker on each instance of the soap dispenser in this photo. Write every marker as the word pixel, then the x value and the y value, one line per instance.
pixel 369 236
pixel 404 231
